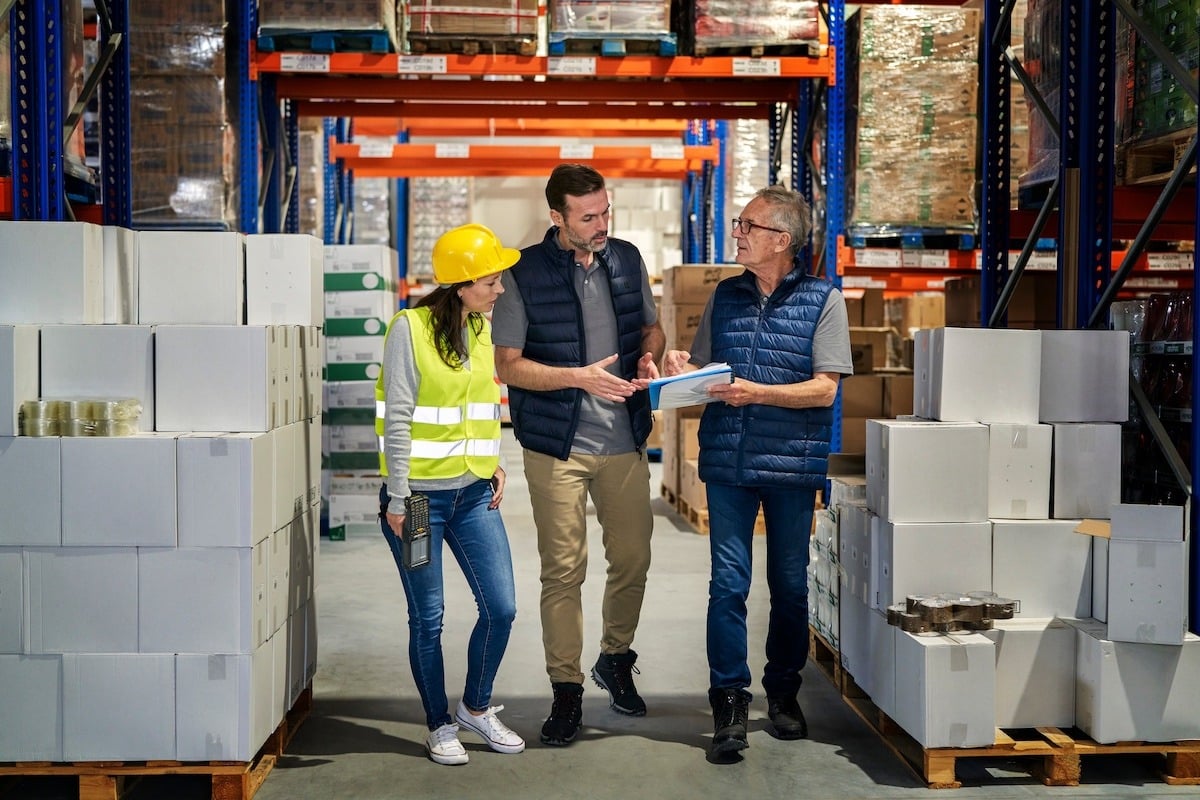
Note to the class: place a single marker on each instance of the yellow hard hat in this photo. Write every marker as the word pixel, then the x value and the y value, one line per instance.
pixel 468 253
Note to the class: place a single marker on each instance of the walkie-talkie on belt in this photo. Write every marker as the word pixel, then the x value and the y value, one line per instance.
pixel 416 531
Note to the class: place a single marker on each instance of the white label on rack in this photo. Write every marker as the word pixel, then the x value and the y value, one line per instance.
pixel 1146 282
pixel 571 65
pixel 743 67
pixel 1045 260
pixel 1180 261
pixel 576 152
pixel 672 151
pixel 424 65
pixel 910 258
pixel 935 259
pixel 304 62
pixel 877 257
pixel 862 282
pixel 452 150
pixel 375 150
pixel 935 283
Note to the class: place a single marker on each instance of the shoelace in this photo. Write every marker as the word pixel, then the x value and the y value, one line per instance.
pixel 490 719
pixel 623 676
pixel 446 734
pixel 562 706
pixel 737 713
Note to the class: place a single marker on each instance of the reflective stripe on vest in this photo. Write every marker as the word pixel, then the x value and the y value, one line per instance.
pixel 456 420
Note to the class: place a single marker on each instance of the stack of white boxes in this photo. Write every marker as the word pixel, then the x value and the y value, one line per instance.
pixel 360 286
pixel 157 590
pixel 1018 439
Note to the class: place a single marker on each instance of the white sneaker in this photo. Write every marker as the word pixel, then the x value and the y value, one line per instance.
pixel 498 736
pixel 443 745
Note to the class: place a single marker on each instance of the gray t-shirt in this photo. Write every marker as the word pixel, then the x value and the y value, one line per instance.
pixel 831 339
pixel 604 427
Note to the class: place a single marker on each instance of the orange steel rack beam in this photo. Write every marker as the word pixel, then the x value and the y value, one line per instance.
pixel 482 127
pixel 634 66
pixel 529 110
pixel 416 160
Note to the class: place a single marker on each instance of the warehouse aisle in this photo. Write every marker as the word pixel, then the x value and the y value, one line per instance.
pixel 364 737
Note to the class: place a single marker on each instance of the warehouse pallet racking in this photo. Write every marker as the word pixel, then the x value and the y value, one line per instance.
pixel 1083 204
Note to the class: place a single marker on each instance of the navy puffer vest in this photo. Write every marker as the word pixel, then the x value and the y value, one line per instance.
pixel 545 422
pixel 759 445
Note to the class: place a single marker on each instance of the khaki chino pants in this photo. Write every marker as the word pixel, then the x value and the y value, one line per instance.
pixel 619 486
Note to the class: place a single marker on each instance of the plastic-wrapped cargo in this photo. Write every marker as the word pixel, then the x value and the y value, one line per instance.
pixel 311 177
pixel 471 17
pixel 914 117
pixel 349 16
pixel 435 205
pixel 5 111
pixel 705 26
pixel 1042 60
pixel 612 16
pixel 183 132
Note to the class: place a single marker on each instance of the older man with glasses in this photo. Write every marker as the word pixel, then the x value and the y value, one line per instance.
pixel 764 442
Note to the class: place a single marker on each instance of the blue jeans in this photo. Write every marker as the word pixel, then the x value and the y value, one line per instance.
pixel 476 536
pixel 731 514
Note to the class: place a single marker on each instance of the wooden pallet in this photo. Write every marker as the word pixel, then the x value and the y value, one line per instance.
pixel 611 44
pixel 469 45
pixel 758 50
pixel 1152 161
pixel 671 496
pixel 231 780
pixel 1052 755
pixel 698 518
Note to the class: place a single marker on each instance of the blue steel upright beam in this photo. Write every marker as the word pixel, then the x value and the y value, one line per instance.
pixel 291 129
pixel 243 23
pixel 329 182
pixel 835 143
pixel 1194 582
pixel 271 192
pixel 116 153
pixel 997 142
pixel 801 175
pixel 1095 151
pixel 720 227
pixel 36 38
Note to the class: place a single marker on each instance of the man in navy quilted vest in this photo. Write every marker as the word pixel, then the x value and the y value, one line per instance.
pixel 575 328
pixel 764 442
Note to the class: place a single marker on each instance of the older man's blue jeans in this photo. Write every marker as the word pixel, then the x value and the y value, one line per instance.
pixel 477 538
pixel 731 514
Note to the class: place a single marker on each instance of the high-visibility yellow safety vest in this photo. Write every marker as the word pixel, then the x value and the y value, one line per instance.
pixel 456 421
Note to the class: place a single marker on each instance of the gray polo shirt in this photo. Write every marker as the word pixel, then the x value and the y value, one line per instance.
pixel 831 339
pixel 604 427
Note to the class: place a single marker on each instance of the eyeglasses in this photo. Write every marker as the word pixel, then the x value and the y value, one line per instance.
pixel 745 226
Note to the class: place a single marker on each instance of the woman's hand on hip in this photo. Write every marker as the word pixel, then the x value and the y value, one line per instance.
pixel 498 481
pixel 396 521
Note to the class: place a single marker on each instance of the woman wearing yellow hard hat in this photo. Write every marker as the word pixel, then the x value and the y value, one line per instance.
pixel 438 420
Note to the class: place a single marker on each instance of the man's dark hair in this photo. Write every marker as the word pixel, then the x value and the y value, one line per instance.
pixel 575 180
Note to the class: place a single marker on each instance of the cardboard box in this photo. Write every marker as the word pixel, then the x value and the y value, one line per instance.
pixel 1035 673
pixel 680 322
pixel 120 275
pixel 691 488
pixel 1019 470
pixel 1131 521
pixel 284 279
pixel 982 375
pixel 878 340
pixel 693 283
pixel 927 472
pixel 1044 564
pixel 120 491
pixel 226 488
pixel 948 697
pixel 1147 591
pixel 118 707
pixel 854 435
pixel 31 491
pixel 1085 376
pixel 81 599
pixel 100 361
pixel 1087 470
pixel 31 707
pixel 216 378
pixel 218 705
pixel 51 272
pixel 19 355
pixel 1126 691
pixel 898 395
pixel 863 396
pixel 191 278
pixel 12 602
pixel 928 558
pixel 1034 304
pixel 362 258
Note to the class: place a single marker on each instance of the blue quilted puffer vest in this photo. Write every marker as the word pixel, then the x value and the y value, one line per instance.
pixel 760 445
pixel 545 422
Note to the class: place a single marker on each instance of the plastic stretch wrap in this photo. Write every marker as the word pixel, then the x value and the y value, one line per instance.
pixel 733 23
pixel 479 17
pixel 616 16
pixel 327 15
pixel 435 205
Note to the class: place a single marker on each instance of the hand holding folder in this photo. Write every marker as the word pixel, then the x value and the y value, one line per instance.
pixel 690 388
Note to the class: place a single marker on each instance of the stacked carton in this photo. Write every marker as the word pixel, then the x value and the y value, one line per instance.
pixel 157 597
pixel 743 25
pixel 913 116
pixel 183 136
pixel 360 300
pixel 290 16
pixel 686 290
pixel 472 18
pixel 1017 437
pixel 615 16
pixel 435 205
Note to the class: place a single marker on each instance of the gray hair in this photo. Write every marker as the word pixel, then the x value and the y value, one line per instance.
pixel 789 212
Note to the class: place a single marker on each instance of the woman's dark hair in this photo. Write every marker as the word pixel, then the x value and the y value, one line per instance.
pixel 575 180
pixel 445 313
